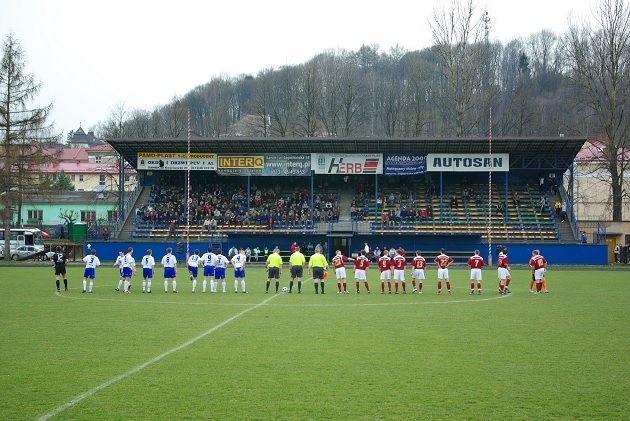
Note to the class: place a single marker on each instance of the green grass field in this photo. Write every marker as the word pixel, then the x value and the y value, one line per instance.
pixel 109 355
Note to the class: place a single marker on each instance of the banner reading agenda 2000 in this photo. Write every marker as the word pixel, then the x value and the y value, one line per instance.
pixel 405 164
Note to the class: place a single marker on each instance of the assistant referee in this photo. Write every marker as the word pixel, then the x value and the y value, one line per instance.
pixel 274 269
pixel 318 264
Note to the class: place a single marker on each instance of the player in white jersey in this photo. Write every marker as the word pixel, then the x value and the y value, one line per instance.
pixel 219 270
pixel 170 269
pixel 148 262
pixel 91 262
pixel 119 263
pixel 129 269
pixel 208 260
pixel 193 268
pixel 238 261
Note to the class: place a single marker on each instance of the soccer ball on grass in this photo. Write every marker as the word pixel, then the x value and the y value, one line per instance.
pixel 285 289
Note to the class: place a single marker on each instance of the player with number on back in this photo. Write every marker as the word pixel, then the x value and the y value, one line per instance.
pixel 340 271
pixel 170 269
pixel 443 261
pixel 193 268
pixel 238 261
pixel 476 263
pixel 91 262
pixel 59 260
pixel 385 266
pixel 418 265
pixel 361 265
pixel 539 264
pixel 209 260
pixel 219 270
pixel 148 262
pixel 399 263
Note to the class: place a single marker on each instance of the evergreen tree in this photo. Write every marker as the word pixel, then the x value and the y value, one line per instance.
pixel 63 183
pixel 23 131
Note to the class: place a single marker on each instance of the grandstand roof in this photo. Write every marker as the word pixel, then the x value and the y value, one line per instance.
pixel 525 152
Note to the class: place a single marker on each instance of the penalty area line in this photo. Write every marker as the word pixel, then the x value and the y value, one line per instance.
pixel 142 366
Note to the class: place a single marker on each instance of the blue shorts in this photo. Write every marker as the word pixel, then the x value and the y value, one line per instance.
pixel 208 271
pixel 147 273
pixel 169 273
pixel 194 270
pixel 239 273
pixel 219 273
pixel 127 272
pixel 89 273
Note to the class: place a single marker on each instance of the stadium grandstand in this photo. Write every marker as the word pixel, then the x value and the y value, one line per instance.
pixel 415 193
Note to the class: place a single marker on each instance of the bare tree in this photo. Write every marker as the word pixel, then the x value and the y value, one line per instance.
pixel 458 33
pixel 309 86
pixel 599 57
pixel 24 131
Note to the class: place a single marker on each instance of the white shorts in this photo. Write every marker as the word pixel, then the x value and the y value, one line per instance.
pixel 385 275
pixel 539 274
pixel 360 275
pixel 399 275
pixel 340 273
pixel 418 274
pixel 475 274
pixel 443 273
pixel 503 273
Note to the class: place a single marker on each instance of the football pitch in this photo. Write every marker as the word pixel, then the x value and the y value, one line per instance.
pixel 113 356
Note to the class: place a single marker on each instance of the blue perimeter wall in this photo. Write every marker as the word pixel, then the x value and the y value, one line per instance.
pixel 556 254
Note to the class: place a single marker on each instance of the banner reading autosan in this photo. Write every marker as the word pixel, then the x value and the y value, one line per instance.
pixel 278 165
pixel 176 161
pixel 459 162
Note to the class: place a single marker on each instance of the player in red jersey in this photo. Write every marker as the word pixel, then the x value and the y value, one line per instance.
pixel 475 262
pixel 340 271
pixel 385 266
pixel 503 272
pixel 361 265
pixel 443 261
pixel 539 264
pixel 399 263
pixel 418 265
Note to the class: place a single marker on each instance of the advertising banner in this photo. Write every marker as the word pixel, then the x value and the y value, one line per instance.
pixel 460 162
pixel 347 164
pixel 176 161
pixel 405 164
pixel 279 165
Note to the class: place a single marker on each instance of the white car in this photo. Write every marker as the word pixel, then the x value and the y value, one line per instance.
pixel 24 252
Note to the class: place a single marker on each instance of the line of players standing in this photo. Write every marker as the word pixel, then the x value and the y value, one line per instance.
pixel 394 268
pixel 214 266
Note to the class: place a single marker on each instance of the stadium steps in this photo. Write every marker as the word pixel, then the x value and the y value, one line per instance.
pixel 345 200
pixel 129 226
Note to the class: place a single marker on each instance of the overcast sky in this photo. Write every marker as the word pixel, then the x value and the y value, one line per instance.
pixel 90 55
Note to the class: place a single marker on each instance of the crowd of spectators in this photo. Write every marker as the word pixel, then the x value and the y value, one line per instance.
pixel 219 201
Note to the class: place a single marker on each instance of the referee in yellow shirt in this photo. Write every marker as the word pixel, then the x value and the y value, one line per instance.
pixel 296 266
pixel 318 264
pixel 274 269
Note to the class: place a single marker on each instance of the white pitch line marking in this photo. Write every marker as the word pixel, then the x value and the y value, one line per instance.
pixel 136 369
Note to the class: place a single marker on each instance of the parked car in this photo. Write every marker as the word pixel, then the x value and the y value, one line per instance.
pixel 25 252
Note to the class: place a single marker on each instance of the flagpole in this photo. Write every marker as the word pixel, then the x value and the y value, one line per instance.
pixel 490 193
pixel 188 199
